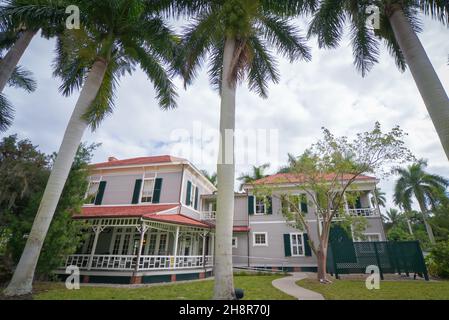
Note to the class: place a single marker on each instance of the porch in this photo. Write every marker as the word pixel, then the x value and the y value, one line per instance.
pixel 141 245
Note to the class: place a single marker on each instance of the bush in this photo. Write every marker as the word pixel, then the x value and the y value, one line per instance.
pixel 438 260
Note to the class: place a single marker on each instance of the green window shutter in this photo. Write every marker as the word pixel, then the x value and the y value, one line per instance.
pixel 270 205
pixel 304 207
pixel 189 191
pixel 287 248
pixel 250 204
pixel 307 250
pixel 157 190
pixel 136 193
pixel 196 198
pixel 100 193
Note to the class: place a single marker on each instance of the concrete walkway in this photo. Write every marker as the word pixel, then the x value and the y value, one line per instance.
pixel 289 286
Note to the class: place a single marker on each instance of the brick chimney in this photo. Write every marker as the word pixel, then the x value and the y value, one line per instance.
pixel 112 159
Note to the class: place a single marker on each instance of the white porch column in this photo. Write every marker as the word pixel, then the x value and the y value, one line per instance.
pixel 204 249
pixel 175 247
pixel 142 229
pixel 97 229
pixel 346 203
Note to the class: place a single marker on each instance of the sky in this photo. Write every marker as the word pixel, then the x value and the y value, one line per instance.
pixel 326 92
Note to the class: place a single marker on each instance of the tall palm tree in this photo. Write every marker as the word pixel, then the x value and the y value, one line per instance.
pixel 379 197
pixel 256 174
pixel 425 187
pixel 399 24
pixel 236 36
pixel 115 37
pixel 20 78
pixel 291 163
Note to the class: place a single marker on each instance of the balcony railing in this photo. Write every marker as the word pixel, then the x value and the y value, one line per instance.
pixel 128 262
pixel 363 212
pixel 208 215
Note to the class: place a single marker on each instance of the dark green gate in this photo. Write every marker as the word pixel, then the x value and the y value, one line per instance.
pixel 345 257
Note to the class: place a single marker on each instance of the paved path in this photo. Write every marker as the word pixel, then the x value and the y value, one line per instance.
pixel 289 286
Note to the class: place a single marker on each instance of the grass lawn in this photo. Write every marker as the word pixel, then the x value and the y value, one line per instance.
pixel 257 287
pixel 389 290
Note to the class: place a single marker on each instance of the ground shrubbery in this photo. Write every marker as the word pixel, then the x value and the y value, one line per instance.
pixel 438 260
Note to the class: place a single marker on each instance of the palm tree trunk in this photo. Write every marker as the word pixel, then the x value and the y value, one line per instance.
pixel 224 283
pixel 429 230
pixel 22 279
pixel 10 61
pixel 426 79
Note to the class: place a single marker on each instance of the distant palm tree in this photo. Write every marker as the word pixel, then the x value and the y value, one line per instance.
pixel 211 177
pixel 256 174
pixel 415 182
pixel 291 162
pixel 392 216
pixel 20 78
pixel 378 196
pixel 238 37
pixel 398 27
pixel 115 37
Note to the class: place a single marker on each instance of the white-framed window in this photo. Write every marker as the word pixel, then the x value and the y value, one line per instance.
pixel 260 206
pixel 234 242
pixel 156 243
pixel 92 191
pixel 122 241
pixel 260 239
pixel 297 244
pixel 146 193
pixel 192 195
pixel 372 237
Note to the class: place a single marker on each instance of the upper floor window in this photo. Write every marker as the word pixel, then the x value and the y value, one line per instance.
pixel 147 190
pixel 234 242
pixel 260 205
pixel 92 191
pixel 192 196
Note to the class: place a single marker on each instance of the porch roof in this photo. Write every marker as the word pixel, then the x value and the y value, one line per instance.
pixel 123 211
pixel 176 219
pixel 241 228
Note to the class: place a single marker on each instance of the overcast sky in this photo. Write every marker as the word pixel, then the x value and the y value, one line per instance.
pixel 326 92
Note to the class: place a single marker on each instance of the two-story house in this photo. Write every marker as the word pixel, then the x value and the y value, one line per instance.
pixel 152 219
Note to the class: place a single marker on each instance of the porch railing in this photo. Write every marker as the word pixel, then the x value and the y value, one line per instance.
pixel 128 262
pixel 208 215
pixel 364 212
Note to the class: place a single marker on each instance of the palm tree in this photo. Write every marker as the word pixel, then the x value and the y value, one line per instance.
pixel 236 36
pixel 379 197
pixel 211 177
pixel 256 174
pixel 399 24
pixel 291 163
pixel 115 37
pixel 20 78
pixel 414 181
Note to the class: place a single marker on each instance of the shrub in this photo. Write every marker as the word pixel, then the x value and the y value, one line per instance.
pixel 438 260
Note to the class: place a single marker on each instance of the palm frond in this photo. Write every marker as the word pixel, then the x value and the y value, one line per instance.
pixel 6 113
pixel 22 78
pixel 328 23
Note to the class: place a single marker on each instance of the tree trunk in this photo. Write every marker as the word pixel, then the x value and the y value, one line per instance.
pixel 22 279
pixel 429 230
pixel 10 61
pixel 321 258
pixel 426 79
pixel 224 284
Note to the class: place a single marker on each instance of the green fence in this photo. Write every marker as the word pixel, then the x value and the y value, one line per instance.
pixel 345 257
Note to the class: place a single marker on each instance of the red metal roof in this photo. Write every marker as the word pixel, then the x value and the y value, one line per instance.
pixel 123 211
pixel 176 219
pixel 138 161
pixel 241 228
pixel 298 178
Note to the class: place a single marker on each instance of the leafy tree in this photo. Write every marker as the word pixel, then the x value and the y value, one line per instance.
pixel 115 37
pixel 399 24
pixel 291 161
pixel 29 170
pixel 426 188
pixel 327 170
pixel 258 172
pixel 237 36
